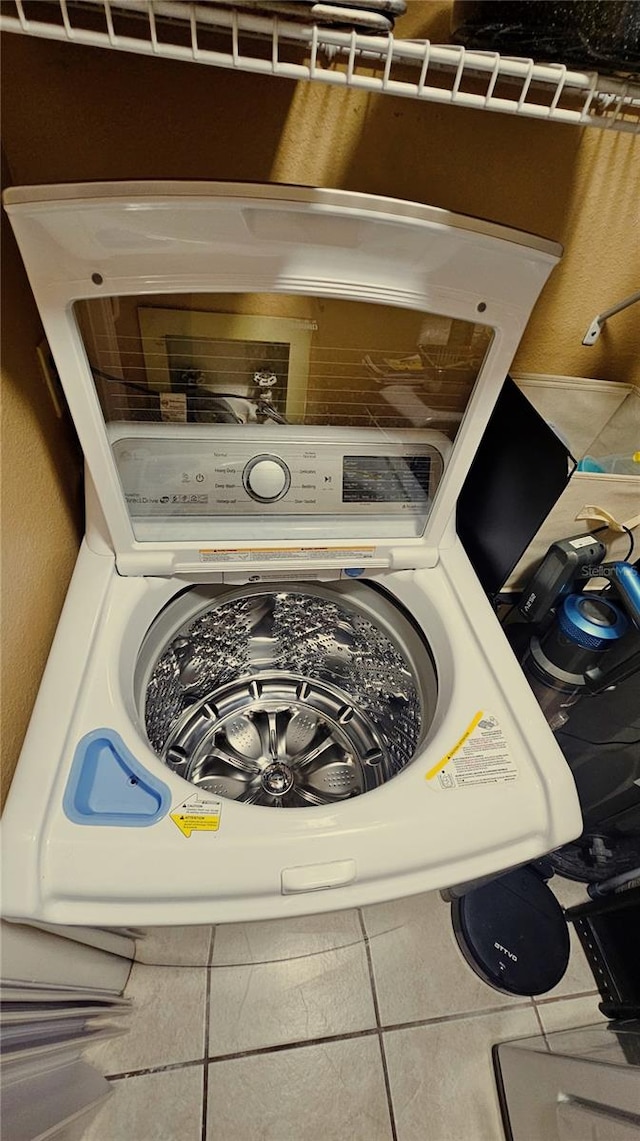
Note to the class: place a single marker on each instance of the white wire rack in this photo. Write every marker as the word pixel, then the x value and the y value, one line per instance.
pixel 267 45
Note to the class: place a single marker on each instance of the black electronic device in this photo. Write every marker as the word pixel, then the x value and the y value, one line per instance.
pixel 519 471
pixel 513 933
pixel 564 568
pixel 609 929
pixel 585 671
pixel 569 655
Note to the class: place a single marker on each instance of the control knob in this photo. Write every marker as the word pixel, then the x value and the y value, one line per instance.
pixel 266 478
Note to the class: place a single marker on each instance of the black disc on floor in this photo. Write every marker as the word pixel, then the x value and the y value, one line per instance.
pixel 513 933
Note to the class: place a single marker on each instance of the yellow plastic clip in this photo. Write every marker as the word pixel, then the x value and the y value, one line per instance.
pixel 600 515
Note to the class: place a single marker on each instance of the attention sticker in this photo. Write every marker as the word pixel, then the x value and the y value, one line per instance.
pixel 480 756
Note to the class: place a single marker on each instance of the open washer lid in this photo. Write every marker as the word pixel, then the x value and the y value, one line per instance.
pixel 274 378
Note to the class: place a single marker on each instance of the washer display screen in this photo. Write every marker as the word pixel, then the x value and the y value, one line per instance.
pixel 386 479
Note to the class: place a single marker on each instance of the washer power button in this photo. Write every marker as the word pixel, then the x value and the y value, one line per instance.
pixel 266 478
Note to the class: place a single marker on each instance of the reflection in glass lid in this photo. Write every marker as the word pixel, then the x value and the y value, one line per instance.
pixel 275 358
pixel 321 417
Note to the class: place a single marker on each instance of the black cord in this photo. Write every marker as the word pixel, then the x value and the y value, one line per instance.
pixel 266 409
pixel 149 391
pixel 586 741
pixel 628 533
pixel 119 380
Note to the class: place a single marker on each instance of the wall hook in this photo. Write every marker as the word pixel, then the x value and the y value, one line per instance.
pixel 595 328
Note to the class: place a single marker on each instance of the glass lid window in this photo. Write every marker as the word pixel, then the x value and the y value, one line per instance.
pixel 224 407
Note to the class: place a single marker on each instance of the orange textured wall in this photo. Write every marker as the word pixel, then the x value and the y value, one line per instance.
pixel 73 114
pixel 90 114
pixel 41 467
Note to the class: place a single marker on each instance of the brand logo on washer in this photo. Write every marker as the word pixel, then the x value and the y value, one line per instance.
pixel 499 947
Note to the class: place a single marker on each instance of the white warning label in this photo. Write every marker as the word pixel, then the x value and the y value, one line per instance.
pixel 480 756
pixel 356 555
pixel 173 407
pixel 197 815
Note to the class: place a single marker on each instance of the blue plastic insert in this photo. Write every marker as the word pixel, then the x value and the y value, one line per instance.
pixel 107 785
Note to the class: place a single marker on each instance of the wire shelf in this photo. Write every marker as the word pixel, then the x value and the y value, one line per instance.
pixel 269 45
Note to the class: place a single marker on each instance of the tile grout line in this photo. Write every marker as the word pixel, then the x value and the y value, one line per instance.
pixel 207 1016
pixel 154 1070
pixel 282 1047
pixel 567 997
pixel 458 1017
pixel 300 1043
pixel 372 981
pixel 539 1021
pixel 541 1025
pixel 378 1031
pixel 376 1010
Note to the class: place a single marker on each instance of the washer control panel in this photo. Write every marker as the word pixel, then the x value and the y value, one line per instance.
pixel 353 474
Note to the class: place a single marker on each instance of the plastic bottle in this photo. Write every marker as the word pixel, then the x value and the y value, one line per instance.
pixel 612 465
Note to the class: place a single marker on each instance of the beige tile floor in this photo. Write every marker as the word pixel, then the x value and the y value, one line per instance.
pixel 354 1026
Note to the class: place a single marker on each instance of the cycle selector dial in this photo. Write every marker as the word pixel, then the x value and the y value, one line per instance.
pixel 266 478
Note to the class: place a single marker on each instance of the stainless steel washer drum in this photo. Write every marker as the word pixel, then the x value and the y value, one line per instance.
pixel 285 695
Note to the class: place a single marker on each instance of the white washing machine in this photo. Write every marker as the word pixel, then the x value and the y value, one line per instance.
pixel 277 686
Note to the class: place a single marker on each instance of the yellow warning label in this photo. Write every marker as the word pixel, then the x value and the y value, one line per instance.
pixel 480 756
pixel 188 823
pixel 197 815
